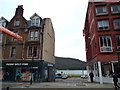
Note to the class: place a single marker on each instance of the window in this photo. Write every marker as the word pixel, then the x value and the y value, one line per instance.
pixel 35 22
pixel 101 10
pixel 115 8
pixel 103 25
pixel 105 44
pixel 17 23
pixel 34 35
pixel 118 41
pixel 13 52
pixel 3 24
pixel 1 37
pixel 14 38
pixel 32 51
pixel 116 23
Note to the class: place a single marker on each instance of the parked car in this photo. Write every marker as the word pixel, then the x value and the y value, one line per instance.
pixel 83 76
pixel 64 76
pixel 61 76
pixel 58 76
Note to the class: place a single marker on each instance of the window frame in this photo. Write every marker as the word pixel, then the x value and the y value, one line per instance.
pixel 34 35
pixel 35 21
pixel 116 11
pixel 16 23
pixel 114 23
pixel 101 7
pixel 13 55
pixel 13 39
pixel 103 48
pixel 32 48
pixel 104 24
pixel 118 44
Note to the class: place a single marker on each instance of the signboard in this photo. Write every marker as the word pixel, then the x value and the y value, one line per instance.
pixel 21 64
pixel 16 64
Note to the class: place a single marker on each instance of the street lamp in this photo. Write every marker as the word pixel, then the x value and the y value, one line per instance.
pixel 33 54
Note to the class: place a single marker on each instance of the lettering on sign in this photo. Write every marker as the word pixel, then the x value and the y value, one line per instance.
pixel 50 65
pixel 16 64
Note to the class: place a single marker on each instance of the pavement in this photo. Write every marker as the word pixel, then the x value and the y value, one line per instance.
pixel 60 83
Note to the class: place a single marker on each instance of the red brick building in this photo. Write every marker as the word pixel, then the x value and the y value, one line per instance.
pixel 102 38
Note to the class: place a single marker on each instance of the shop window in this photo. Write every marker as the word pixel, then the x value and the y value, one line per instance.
pixel 103 25
pixel 116 23
pixel 32 51
pixel 105 44
pixel 13 52
pixel 34 35
pixel 115 8
pixel 101 10
pixel 106 69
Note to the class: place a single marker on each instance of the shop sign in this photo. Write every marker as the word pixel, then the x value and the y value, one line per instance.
pixel 50 65
pixel 16 64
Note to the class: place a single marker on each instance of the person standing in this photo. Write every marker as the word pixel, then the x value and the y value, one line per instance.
pixel 18 76
pixel 115 80
pixel 91 76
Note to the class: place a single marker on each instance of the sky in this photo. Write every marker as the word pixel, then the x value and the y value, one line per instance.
pixel 68 18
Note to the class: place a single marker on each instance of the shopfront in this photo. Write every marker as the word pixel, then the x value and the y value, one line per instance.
pixel 23 71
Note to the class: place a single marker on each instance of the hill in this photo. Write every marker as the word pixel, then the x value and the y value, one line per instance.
pixel 69 64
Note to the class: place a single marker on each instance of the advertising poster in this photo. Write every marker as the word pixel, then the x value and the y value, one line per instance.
pixel 26 76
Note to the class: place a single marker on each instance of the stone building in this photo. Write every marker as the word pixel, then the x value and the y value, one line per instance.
pixel 35 56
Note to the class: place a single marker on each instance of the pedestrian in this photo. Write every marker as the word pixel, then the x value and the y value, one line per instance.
pixel 91 76
pixel 115 80
pixel 18 76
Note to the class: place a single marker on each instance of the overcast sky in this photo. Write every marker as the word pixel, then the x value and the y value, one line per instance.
pixel 68 17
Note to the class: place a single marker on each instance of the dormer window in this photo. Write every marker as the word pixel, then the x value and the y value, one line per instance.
pixel 17 23
pixel 35 22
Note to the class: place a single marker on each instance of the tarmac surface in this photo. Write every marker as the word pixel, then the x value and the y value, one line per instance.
pixel 70 83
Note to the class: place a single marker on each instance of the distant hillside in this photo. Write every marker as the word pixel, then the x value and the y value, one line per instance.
pixel 69 64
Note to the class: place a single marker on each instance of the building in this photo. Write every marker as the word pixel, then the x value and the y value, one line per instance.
pixel 102 39
pixel 33 57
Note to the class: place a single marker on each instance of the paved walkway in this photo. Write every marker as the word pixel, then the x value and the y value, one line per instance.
pixel 61 83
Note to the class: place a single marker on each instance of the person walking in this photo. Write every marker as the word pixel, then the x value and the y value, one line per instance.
pixel 91 76
pixel 115 80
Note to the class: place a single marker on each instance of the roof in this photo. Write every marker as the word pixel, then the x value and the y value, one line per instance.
pixel 35 14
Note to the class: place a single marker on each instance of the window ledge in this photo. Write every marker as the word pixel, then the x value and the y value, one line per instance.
pixel 102 30
pixel 102 14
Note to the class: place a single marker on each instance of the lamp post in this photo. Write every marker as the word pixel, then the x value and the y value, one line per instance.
pixel 32 68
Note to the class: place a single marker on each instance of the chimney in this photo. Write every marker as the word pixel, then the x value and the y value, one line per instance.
pixel 19 10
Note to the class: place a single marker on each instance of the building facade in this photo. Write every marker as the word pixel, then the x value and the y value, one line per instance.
pixel 35 56
pixel 102 39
